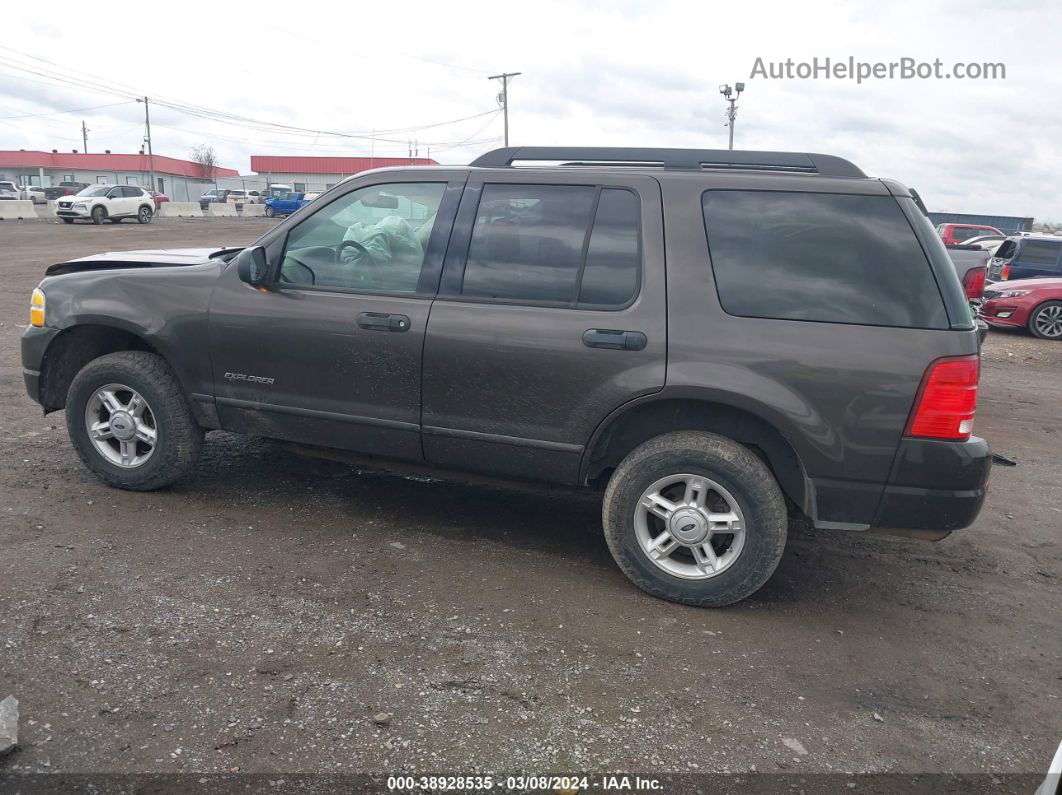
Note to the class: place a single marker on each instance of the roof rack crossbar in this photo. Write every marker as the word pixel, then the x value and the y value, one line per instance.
pixel 683 159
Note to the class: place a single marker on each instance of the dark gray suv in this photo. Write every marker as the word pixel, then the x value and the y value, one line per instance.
pixel 717 340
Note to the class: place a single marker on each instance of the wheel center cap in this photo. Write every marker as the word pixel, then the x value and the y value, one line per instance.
pixel 122 426
pixel 688 525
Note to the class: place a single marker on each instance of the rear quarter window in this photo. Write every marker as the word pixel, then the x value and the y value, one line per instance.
pixel 821 257
pixel 1041 252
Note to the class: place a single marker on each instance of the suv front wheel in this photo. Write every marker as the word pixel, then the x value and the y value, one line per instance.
pixel 695 518
pixel 130 422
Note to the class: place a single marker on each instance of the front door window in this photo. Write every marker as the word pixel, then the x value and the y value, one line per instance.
pixel 372 239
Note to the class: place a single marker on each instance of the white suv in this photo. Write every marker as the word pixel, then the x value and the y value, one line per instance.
pixel 244 197
pixel 110 202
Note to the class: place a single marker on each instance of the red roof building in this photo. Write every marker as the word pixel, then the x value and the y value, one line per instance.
pixel 107 163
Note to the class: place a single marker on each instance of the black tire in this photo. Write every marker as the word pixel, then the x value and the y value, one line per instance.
pixel 98 214
pixel 1037 321
pixel 68 220
pixel 180 438
pixel 144 215
pixel 269 211
pixel 732 466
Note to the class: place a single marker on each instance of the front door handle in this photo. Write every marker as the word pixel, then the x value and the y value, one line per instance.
pixel 381 321
pixel 614 339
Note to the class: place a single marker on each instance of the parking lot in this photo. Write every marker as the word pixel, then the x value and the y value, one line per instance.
pixel 267 613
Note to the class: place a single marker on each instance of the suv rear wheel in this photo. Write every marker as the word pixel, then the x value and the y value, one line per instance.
pixel 144 214
pixel 1046 320
pixel 695 518
pixel 130 422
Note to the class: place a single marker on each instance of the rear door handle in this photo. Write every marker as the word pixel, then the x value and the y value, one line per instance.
pixel 614 339
pixel 381 321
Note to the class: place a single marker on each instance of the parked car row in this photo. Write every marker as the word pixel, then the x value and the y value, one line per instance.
pixel 1022 287
pixel 242 196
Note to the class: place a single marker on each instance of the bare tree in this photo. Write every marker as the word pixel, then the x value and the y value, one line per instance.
pixel 207 158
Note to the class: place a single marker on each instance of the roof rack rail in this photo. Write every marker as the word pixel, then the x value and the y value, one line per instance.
pixel 682 159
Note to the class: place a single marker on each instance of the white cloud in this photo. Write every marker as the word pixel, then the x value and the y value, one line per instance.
pixel 594 73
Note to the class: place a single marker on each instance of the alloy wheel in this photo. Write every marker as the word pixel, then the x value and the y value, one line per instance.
pixel 690 526
pixel 121 425
pixel 1048 321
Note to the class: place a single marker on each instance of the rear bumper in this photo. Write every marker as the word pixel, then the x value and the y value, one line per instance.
pixel 935 486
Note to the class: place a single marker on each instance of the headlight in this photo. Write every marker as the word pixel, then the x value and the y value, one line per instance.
pixel 1013 293
pixel 37 308
pixel 80 206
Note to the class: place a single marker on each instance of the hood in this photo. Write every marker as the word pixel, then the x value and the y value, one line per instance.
pixel 147 258
pixel 1027 284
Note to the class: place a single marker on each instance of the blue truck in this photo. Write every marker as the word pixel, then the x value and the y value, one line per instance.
pixel 287 203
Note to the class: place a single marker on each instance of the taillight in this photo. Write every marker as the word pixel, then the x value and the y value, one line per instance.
pixel 945 403
pixel 1005 273
pixel 973 283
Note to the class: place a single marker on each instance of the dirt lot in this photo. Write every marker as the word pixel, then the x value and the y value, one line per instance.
pixel 260 614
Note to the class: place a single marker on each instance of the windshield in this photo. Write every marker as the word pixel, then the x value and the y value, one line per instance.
pixel 96 190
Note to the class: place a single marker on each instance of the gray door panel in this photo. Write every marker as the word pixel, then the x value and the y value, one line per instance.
pixel 513 389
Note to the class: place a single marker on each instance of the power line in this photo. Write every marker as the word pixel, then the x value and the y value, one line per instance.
pixel 206 112
pixel 60 112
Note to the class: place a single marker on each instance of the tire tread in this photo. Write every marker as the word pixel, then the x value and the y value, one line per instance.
pixel 184 436
pixel 744 467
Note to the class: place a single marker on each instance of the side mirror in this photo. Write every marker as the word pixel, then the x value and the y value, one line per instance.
pixel 251 266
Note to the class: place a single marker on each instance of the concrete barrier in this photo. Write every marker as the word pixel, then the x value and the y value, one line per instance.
pixel 17 210
pixel 180 210
pixel 46 212
pixel 222 210
pixel 254 211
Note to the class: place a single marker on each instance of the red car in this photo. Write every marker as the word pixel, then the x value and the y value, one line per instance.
pixel 957 233
pixel 1034 304
pixel 159 198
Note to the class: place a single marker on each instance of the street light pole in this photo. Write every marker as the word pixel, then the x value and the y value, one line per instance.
pixel 731 96
pixel 505 77
pixel 151 155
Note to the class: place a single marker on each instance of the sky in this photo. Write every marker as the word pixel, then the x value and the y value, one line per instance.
pixel 620 73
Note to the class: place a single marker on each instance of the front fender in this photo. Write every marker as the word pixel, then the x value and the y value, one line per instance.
pixel 165 307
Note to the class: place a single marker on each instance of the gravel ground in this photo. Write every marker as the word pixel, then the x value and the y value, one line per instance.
pixel 276 613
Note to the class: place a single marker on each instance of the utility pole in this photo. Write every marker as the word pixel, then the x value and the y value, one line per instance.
pixel 504 97
pixel 151 155
pixel 731 96
pixel 84 136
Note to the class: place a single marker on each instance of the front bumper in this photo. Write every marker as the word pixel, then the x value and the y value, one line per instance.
pixel 935 486
pixel 72 212
pixel 35 341
pixel 1004 313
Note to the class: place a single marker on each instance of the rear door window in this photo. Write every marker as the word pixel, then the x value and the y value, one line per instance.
pixel 819 257
pixel 568 245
